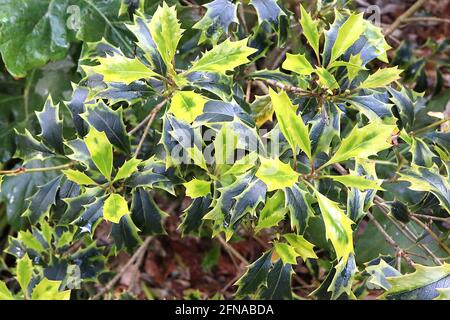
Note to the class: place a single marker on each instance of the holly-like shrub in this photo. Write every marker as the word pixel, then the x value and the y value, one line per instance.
pixel 315 149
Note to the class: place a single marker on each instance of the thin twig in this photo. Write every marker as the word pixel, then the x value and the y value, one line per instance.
pixel 416 6
pixel 389 239
pixel 423 216
pixel 232 250
pixel 427 19
pixel 288 88
pixel 432 234
pixel 153 114
pixel 117 277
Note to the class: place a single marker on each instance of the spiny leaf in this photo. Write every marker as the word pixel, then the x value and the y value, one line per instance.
pixel 343 278
pixel 326 79
pixel 125 234
pixel 299 208
pixel 118 68
pixel 310 31
pixel 193 216
pixel 429 180
pixel 42 200
pixel 303 247
pixel 223 57
pixel 5 294
pixel 273 212
pixel 419 285
pixel 166 32
pixel 353 181
pixel 255 276
pixel 364 142
pixel 145 213
pixel 51 126
pixel 101 151
pixel 276 174
pixel 216 22
pixel 197 188
pixel 24 272
pixel 187 105
pixel 103 118
pixel 78 177
pixel 291 125
pixel 337 225
pixel 286 252
pixel 381 78
pixel 115 207
pixel 298 64
pixel 278 282
pixel 127 169
pixel 49 290
pixel 347 35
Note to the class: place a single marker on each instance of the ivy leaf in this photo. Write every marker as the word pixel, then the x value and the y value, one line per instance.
pixel 255 276
pixel 272 213
pixel 109 121
pixel 364 142
pixel 101 151
pixel 429 180
pixel 193 216
pixel 127 169
pixel 145 213
pixel 24 273
pixel 419 285
pixel 343 278
pixel 291 125
pixel 337 225
pixel 49 290
pixel 115 208
pixel 166 33
pixel 32 33
pixel 78 177
pixel 347 35
pixel 51 126
pixel 42 200
pixel 276 174
pixel 353 181
pixel 216 22
pixel 286 252
pixel 302 247
pixel 223 57
pixel 298 64
pixel 197 188
pixel 310 31
pixel 278 282
pixel 187 105
pixel 118 68
pixel 381 78
pixel 299 208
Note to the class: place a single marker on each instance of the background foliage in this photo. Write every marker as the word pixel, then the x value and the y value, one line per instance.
pixel 96 96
